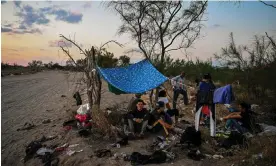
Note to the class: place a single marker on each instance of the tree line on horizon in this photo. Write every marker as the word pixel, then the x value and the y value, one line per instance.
pixel 252 66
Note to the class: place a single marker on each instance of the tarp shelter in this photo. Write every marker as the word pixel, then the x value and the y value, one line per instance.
pixel 136 78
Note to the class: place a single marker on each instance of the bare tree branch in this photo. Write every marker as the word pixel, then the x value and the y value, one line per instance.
pixel 271 40
pixel 111 41
pixel 267 4
pixel 74 43
pixel 188 25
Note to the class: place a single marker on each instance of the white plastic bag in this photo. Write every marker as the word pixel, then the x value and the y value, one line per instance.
pixel 83 109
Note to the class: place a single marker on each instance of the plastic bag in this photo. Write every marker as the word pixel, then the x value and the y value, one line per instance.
pixel 83 109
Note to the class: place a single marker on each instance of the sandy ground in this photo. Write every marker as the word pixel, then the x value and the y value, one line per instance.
pixel 37 97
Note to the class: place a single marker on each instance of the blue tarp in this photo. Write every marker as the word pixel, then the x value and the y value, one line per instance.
pixel 136 78
pixel 224 95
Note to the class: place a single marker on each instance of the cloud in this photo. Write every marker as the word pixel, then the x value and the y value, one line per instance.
pixel 20 30
pixel 8 25
pixel 3 2
pixel 30 31
pixel 30 17
pixel 3 30
pixel 17 3
pixel 87 5
pixel 10 49
pixel 216 26
pixel 60 43
pixel 67 16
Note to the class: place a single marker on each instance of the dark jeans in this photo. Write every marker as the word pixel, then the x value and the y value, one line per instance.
pixel 173 112
pixel 176 93
pixel 234 124
pixel 135 127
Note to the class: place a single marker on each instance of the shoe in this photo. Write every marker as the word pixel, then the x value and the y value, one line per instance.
pixel 141 135
pixel 149 127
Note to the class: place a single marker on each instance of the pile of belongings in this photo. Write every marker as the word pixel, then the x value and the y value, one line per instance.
pixel 234 138
pixel 160 143
pixel 157 157
pixel 36 149
pixel 84 120
pixel 267 130
pixel 191 137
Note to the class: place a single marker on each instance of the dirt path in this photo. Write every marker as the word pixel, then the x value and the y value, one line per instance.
pixel 34 98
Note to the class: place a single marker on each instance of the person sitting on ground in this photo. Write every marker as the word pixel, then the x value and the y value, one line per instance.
pixel 230 108
pixel 138 119
pixel 162 96
pixel 133 102
pixel 131 107
pixel 240 120
pixel 159 119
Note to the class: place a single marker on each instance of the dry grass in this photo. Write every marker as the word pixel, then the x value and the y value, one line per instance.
pixel 260 145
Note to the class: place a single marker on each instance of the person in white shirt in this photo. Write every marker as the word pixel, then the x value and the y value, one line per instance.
pixel 162 96
pixel 179 88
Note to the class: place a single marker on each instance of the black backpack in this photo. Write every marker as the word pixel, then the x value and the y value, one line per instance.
pixel 191 136
pixel 157 157
pixel 235 138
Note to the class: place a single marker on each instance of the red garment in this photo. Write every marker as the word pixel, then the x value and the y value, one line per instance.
pixel 81 118
pixel 205 110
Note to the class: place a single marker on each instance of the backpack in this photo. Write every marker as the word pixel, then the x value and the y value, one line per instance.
pixel 156 158
pixel 235 138
pixel 191 136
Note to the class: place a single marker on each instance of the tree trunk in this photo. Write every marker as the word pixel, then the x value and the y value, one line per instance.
pixel 89 94
pixel 98 90
pixel 97 82
pixel 150 98
pixel 156 94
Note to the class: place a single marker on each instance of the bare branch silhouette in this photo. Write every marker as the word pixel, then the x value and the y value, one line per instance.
pixel 267 4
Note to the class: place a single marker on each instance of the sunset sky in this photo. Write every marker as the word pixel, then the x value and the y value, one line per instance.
pixel 30 30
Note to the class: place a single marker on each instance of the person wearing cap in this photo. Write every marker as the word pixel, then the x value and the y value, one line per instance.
pixel 179 88
pixel 138 119
pixel 160 119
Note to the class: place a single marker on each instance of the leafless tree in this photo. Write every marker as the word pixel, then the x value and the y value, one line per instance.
pixel 160 27
pixel 250 60
pixel 157 26
pixel 93 80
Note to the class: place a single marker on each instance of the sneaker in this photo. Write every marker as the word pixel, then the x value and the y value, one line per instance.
pixel 141 135
pixel 149 127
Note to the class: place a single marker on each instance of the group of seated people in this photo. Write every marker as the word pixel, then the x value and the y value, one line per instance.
pixel 139 119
